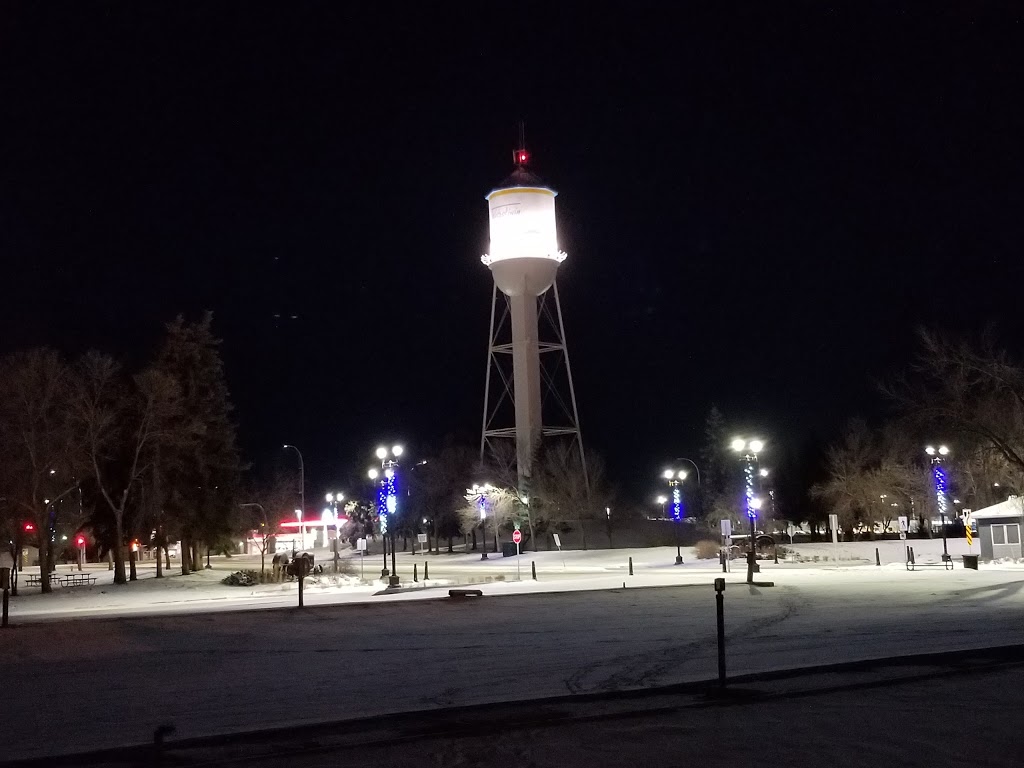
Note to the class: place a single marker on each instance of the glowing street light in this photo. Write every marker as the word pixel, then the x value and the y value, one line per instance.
pixel 675 478
pixel 479 493
pixel 941 482
pixel 387 504
pixel 749 450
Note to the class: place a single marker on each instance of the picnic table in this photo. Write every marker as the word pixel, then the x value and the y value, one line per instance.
pixel 66 580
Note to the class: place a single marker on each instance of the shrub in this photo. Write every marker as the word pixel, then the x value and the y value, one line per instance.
pixel 242 579
pixel 707 549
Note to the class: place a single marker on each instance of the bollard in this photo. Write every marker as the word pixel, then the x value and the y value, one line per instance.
pixel 878 560
pixel 302 580
pixel 631 566
pixel 723 560
pixel 426 570
pixel 720 610
pixel 533 567
pixel 414 572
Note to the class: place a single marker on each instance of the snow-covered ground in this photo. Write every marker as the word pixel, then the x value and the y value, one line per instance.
pixel 556 572
pixel 84 684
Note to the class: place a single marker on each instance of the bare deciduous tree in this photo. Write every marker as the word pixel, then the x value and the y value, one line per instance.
pixel 121 422
pixel 36 454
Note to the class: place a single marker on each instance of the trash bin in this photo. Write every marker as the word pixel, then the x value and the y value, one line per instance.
pixel 971 562
pixel 508 549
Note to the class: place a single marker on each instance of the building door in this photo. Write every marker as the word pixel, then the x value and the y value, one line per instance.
pixel 1006 540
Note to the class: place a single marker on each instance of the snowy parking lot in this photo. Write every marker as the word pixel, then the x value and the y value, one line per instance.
pixel 209 668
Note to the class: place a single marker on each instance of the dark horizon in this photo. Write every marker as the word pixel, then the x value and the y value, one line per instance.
pixel 758 208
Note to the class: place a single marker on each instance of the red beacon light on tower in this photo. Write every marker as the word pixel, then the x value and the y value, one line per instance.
pixel 28 527
pixel 521 157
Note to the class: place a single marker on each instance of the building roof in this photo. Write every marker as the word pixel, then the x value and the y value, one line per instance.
pixel 521 177
pixel 1012 507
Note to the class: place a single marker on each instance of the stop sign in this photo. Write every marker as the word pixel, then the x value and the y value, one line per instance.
pixel 517 536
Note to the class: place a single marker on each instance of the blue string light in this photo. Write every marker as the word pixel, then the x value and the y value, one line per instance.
pixel 677 504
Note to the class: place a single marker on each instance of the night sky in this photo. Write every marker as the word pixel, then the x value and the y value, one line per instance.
pixel 758 209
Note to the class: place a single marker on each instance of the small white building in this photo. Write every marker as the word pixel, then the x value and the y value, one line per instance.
pixel 999 529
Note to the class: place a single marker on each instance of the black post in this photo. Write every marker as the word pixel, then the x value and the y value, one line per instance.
pixel 878 560
pixel 393 578
pixel 301 572
pixel 679 554
pixel 631 566
pixel 334 541
pixel 415 571
pixel 208 566
pixel 533 568
pixel 5 584
pixel 384 571
pixel 752 554
pixel 720 610
pixel 426 570
pixel 945 552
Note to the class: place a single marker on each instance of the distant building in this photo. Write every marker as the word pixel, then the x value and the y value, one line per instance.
pixel 999 529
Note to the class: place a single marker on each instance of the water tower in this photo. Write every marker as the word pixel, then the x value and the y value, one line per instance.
pixel 528 362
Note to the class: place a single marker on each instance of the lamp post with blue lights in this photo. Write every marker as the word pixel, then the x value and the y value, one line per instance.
pixel 387 504
pixel 748 450
pixel 937 456
pixel 675 480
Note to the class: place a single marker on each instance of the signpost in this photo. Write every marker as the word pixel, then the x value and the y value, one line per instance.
pixel 726 539
pixel 517 536
pixel 558 543
pixel 790 531
pixel 422 539
pixel 904 525
pixel 833 523
pixel 361 548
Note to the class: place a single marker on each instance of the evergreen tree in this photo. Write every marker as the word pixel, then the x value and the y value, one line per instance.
pixel 202 473
pixel 716 465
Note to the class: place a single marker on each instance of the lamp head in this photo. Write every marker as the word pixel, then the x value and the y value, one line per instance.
pixel 373 474
pixel 382 453
pixel 668 474
pixel 397 450
pixel 943 450
pixel 930 450
pixel 738 444
pixel 756 446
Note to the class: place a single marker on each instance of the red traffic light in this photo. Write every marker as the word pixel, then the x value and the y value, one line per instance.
pixel 29 527
pixel 80 541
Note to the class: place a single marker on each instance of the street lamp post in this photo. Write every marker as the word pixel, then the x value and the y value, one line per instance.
pixel 662 500
pixel 302 490
pixel 675 479
pixel 748 450
pixel 387 504
pixel 941 484
pixel 480 492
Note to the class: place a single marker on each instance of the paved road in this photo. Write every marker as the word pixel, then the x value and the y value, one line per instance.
pixel 103 682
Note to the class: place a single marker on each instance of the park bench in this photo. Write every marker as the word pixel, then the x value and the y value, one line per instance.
pixel 463 593
pixel 912 564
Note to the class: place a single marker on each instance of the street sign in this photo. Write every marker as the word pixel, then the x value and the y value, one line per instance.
pixel 726 528
pixel 903 536
pixel 421 538
pixel 833 523
pixel 361 545
pixel 904 524
pixel 517 536
pixel 332 534
pixel 970 536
